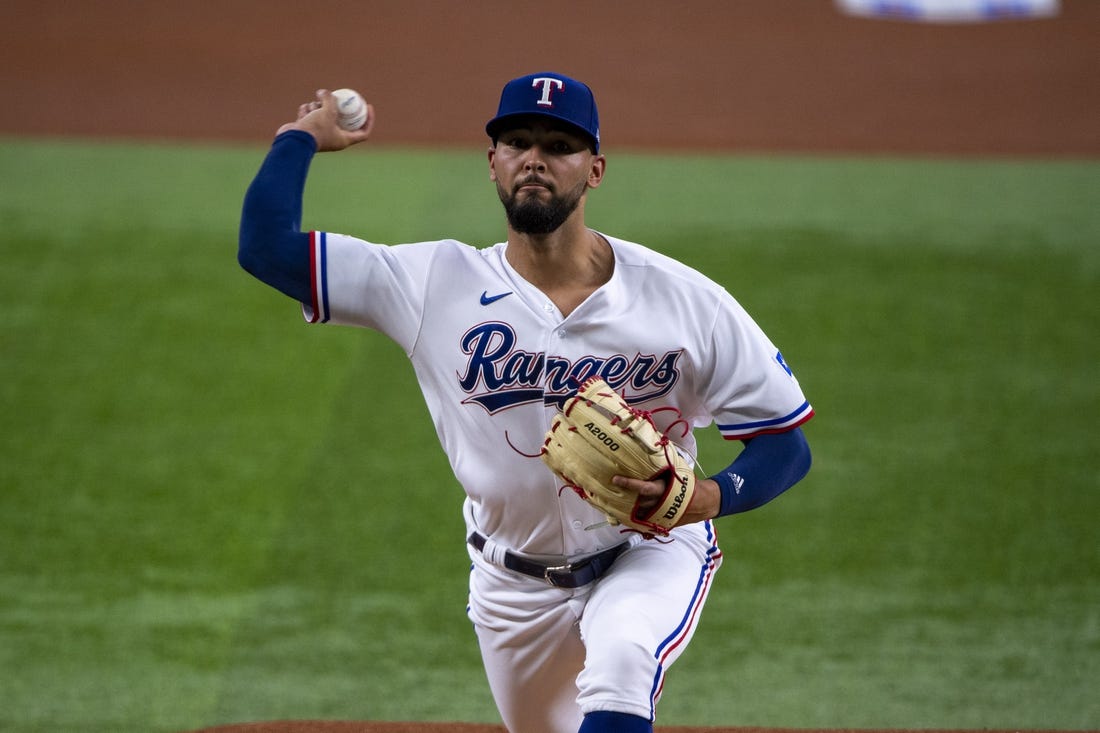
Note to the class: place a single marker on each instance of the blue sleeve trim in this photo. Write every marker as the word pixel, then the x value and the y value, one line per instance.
pixel 745 431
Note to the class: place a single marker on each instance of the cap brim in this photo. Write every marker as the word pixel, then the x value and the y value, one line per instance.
pixel 497 125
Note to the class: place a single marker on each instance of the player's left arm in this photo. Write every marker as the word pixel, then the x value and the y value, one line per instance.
pixel 769 465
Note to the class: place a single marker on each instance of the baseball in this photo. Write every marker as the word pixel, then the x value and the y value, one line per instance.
pixel 352 108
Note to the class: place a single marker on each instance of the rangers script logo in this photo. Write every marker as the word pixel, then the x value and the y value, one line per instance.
pixel 499 376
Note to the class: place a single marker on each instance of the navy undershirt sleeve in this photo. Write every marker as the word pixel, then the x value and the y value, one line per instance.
pixel 270 245
pixel 769 465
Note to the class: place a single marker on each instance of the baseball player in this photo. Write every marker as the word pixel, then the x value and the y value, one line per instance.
pixel 578 619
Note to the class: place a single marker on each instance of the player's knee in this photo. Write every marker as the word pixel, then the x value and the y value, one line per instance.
pixel 626 659
pixel 618 676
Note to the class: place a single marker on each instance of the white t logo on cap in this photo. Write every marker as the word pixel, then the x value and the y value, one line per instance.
pixel 548 84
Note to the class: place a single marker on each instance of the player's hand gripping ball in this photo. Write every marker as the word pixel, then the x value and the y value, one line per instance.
pixel 352 109
pixel 596 436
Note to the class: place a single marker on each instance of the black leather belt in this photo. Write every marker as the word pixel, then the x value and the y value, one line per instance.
pixel 570 575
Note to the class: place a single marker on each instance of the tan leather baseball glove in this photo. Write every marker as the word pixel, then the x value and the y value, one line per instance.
pixel 597 435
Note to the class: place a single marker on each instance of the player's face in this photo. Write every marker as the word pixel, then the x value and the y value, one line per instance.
pixel 542 173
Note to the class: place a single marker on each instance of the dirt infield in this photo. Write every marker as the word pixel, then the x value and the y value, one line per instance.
pixel 752 75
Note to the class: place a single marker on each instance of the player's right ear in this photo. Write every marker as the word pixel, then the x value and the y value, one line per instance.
pixel 492 163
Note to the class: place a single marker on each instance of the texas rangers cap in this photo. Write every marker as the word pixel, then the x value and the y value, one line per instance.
pixel 550 95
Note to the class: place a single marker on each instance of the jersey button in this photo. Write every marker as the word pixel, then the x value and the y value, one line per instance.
pixel 561 333
pixel 577 524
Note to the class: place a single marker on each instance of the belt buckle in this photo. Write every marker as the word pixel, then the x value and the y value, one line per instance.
pixel 553 574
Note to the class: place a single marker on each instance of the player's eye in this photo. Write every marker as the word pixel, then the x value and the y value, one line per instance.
pixel 516 141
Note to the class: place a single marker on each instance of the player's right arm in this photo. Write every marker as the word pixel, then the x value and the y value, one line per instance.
pixel 271 245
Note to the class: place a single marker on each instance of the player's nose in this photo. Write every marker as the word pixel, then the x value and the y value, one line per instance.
pixel 534 159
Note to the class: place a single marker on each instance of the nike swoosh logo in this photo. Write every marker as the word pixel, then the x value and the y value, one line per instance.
pixel 487 299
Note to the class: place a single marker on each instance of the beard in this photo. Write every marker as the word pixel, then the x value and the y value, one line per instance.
pixel 532 216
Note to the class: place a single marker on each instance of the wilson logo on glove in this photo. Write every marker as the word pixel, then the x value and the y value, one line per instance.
pixel 678 501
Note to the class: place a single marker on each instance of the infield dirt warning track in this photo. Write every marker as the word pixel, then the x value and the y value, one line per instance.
pixel 752 75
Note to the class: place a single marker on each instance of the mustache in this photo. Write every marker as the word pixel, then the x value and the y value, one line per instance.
pixel 532 179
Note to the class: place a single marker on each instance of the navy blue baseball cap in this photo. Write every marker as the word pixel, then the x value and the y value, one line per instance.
pixel 550 95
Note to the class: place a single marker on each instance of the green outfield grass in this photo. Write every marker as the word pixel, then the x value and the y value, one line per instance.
pixel 211 512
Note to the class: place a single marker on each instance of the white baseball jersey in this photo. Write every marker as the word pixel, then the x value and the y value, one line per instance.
pixel 495 359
